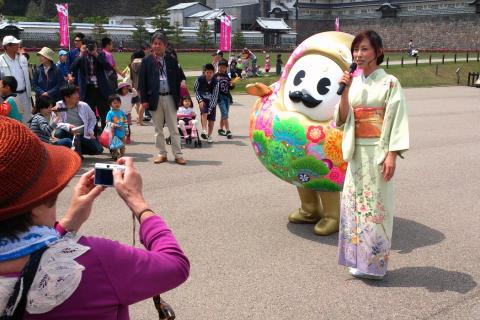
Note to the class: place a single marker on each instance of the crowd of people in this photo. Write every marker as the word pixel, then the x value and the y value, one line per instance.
pixel 84 94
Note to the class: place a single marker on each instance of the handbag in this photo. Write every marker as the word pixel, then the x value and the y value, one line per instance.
pixel 116 143
pixel 106 137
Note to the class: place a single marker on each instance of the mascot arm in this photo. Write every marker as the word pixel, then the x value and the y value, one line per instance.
pixel 258 89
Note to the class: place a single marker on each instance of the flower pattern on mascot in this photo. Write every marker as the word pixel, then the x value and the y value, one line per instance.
pixel 292 131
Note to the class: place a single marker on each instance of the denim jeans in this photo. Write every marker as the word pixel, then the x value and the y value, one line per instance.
pixel 66 142
pixel 87 146
pixel 224 104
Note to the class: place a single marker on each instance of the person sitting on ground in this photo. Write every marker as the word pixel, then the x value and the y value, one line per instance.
pixel 12 106
pixel 72 276
pixel 186 114
pixel 225 85
pixel 47 80
pixel 206 92
pixel 43 124
pixel 117 119
pixel 77 119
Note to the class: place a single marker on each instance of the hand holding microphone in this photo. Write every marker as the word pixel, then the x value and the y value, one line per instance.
pixel 346 78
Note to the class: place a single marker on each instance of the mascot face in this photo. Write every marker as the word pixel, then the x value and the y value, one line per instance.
pixel 311 87
pixel 292 129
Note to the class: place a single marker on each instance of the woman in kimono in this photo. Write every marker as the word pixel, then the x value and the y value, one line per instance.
pixel 373 115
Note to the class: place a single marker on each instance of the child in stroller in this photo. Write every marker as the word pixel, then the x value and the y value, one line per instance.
pixel 188 126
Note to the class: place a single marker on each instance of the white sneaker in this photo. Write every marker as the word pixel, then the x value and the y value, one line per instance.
pixel 209 139
pixel 357 274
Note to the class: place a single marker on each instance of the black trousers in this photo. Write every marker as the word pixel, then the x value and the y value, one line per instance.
pixel 96 101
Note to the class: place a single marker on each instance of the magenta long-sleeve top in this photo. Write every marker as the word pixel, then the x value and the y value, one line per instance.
pixel 117 275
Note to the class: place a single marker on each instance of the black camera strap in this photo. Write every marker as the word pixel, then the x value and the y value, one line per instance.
pixel 23 284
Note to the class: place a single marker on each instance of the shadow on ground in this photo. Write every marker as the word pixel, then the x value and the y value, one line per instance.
pixel 431 278
pixel 407 235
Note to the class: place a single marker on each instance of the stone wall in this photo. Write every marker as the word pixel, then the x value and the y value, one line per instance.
pixel 459 32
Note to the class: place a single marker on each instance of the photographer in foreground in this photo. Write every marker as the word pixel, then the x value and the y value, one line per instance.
pixel 73 277
pixel 91 68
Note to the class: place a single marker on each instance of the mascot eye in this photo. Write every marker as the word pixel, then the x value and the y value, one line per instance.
pixel 322 86
pixel 298 78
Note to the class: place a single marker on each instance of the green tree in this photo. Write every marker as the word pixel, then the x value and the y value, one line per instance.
pixel 161 21
pixel 238 40
pixel 2 2
pixel 204 37
pixel 177 35
pixel 98 31
pixel 141 34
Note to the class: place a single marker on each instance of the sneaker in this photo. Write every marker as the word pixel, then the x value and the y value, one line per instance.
pixel 210 140
pixel 221 132
pixel 147 119
pixel 204 135
pixel 229 134
pixel 357 274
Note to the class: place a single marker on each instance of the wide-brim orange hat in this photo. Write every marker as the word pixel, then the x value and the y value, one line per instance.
pixel 31 171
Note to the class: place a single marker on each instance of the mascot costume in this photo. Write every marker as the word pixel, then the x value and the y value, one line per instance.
pixel 292 131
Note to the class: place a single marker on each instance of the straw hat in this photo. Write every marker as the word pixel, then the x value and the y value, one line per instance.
pixel 47 53
pixel 30 171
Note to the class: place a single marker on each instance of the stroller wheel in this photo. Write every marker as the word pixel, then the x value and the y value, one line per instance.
pixel 199 143
pixel 195 144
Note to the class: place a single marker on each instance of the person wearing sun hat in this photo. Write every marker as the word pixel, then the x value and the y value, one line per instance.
pixel 45 267
pixel 47 79
pixel 14 64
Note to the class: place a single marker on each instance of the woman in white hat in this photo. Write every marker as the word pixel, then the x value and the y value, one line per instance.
pixel 47 79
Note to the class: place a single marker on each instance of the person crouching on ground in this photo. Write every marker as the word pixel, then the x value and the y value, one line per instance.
pixel 76 119
pixel 12 106
pixel 117 120
pixel 206 91
pixel 187 114
pixel 225 85
pixel 73 277
pixel 43 124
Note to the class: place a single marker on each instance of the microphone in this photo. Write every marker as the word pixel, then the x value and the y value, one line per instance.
pixel 352 69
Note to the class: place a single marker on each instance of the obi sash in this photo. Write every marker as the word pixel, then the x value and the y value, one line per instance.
pixel 368 121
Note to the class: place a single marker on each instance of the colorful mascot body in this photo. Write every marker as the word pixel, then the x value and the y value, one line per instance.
pixel 292 131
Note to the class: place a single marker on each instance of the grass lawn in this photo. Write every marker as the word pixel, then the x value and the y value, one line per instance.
pixel 410 76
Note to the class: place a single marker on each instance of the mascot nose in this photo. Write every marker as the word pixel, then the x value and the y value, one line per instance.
pixel 305 98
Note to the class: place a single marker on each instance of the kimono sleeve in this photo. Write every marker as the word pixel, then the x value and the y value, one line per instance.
pixel 399 139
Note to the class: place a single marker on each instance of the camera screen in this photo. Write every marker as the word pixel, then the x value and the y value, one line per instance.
pixel 103 177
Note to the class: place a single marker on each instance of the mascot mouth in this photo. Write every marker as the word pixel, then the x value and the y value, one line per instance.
pixel 305 98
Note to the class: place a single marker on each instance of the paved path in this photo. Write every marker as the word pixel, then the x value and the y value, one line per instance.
pixel 248 262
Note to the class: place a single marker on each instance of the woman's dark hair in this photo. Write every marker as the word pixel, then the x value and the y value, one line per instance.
pixel 375 41
pixel 139 54
pixel 113 97
pixel 10 228
pixel 11 82
pixel 42 102
pixel 67 91
pixel 80 35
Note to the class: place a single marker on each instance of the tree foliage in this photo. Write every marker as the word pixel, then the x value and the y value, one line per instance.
pixel 98 31
pixel 141 34
pixel 177 35
pixel 238 40
pixel 204 36
pixel 161 21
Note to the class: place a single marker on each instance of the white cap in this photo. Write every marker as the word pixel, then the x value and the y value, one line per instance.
pixel 10 39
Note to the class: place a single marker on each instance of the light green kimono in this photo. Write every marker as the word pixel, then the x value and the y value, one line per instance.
pixel 366 218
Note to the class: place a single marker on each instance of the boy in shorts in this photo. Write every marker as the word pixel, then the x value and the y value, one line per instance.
pixel 225 85
pixel 206 91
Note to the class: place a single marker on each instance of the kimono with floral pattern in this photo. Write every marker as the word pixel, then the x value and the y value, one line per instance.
pixel 366 214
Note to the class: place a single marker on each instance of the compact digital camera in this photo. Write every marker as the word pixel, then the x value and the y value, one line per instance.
pixel 103 173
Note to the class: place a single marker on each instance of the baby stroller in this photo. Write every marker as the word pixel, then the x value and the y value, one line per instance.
pixel 190 130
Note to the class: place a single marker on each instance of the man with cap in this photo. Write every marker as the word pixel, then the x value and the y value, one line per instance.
pixel 12 63
pixel 159 84
pixel 47 79
pixel 62 63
